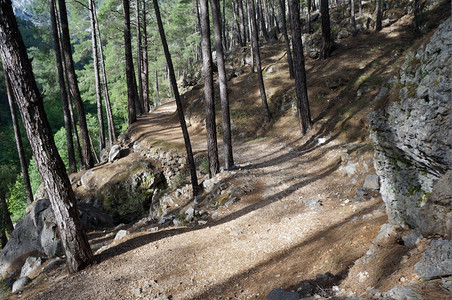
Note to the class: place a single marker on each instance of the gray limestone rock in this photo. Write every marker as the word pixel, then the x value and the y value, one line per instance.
pixel 403 293
pixel 413 139
pixel 121 233
pixel 20 284
pixel 31 264
pixel 37 235
pixel 115 153
pixel 372 182
pixel 436 261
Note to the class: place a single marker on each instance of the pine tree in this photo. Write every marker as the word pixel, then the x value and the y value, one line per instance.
pixel 50 166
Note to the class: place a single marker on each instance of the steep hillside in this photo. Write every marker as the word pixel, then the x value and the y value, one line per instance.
pixel 302 214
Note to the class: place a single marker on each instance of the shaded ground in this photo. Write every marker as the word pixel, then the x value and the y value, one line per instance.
pixel 299 216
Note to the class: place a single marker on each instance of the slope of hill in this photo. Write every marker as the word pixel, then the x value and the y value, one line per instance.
pixel 297 214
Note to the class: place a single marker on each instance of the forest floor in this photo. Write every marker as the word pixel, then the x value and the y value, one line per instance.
pixel 300 223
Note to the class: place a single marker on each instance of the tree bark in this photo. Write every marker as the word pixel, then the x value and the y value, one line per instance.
pixel 258 62
pixel 242 21
pixel 352 16
pixel 6 225
pixel 131 86
pixel 223 82
pixel 49 163
pixel 110 121
pixel 180 111
pixel 72 81
pixel 379 15
pixel 282 7
pixel 251 39
pixel 18 137
pixel 416 24
pixel 304 114
pixel 235 14
pixel 63 91
pixel 100 111
pixel 139 56
pixel 260 15
pixel 212 148
pixel 326 30
pixel 145 64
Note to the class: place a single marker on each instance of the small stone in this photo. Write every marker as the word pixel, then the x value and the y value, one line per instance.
pixel 411 239
pixel 115 153
pixel 121 234
pixel 372 182
pixel 31 264
pixel 20 283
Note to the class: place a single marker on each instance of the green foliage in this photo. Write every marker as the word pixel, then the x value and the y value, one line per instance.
pixel 204 166
pixel 35 178
pixel 17 199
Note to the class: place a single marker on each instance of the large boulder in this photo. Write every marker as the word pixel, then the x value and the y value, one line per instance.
pixel 37 235
pixel 413 139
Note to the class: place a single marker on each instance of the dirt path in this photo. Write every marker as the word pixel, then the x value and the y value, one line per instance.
pixel 296 221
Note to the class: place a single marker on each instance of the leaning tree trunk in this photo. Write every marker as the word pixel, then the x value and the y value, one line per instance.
pixel 72 80
pixel 110 121
pixel 212 148
pixel 326 30
pixel 100 111
pixel 50 166
pixel 18 137
pixel 63 91
pixel 131 86
pixel 304 114
pixel 226 119
pixel 282 7
pixel 258 62
pixel 180 111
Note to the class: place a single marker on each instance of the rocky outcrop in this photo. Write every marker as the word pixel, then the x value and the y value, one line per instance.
pixel 37 235
pixel 413 139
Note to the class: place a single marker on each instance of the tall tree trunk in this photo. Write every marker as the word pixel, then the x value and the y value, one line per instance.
pixel 304 114
pixel 326 30
pixel 379 15
pixel 261 18
pixel 63 90
pixel 130 74
pixel 352 16
pixel 157 89
pixel 282 7
pixel 235 14
pixel 242 21
pixel 258 63
pixel 308 18
pixel 76 136
pixel 18 137
pixel 145 64
pixel 180 111
pixel 251 39
pixel 360 4
pixel 100 111
pixel 110 121
pixel 223 82
pixel 139 56
pixel 274 18
pixel 72 80
pixel 212 148
pixel 49 163
pixel 6 225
